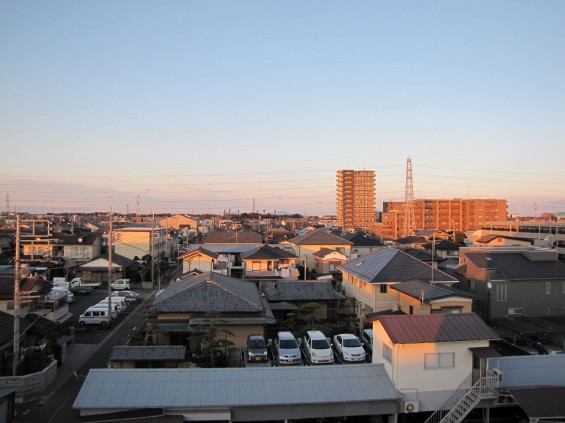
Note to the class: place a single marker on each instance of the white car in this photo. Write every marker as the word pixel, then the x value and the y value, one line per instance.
pixel 317 348
pixel 130 296
pixel 120 284
pixel 349 347
pixel 69 294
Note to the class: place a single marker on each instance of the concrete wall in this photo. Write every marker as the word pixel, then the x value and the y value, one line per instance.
pixel 31 385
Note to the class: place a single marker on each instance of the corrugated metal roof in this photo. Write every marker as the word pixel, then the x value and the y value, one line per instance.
pixel 431 328
pixel 392 265
pixel 530 370
pixel 232 387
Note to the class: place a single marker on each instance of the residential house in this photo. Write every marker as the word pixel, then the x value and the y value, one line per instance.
pixel 327 261
pixel 368 278
pixel 305 245
pixel 139 240
pixel 195 305
pixel 514 281
pixel 147 357
pixel 292 297
pixel 429 357
pixel 229 245
pixel 432 235
pixel 494 240
pixel 362 243
pixel 97 270
pixel 75 249
pixel 446 249
pixel 178 221
pixel 411 241
pixel 417 297
pixel 268 262
pixel 201 259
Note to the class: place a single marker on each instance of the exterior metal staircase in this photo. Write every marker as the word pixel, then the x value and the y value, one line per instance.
pixel 465 398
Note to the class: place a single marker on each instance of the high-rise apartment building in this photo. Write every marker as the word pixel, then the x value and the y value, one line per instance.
pixel 456 214
pixel 355 198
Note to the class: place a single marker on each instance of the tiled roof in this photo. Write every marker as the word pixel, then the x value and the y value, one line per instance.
pixel 319 237
pixel 360 239
pixel 209 292
pixel 392 265
pixel 429 328
pixel 491 237
pixel 322 252
pixel 419 290
pixel 199 250
pixel 446 245
pixel 302 291
pixel 515 266
pixel 266 252
pixel 232 237
pixel 148 353
pixel 411 240
pixel 421 254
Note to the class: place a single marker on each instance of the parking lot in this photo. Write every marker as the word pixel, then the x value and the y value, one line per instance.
pixel 93 334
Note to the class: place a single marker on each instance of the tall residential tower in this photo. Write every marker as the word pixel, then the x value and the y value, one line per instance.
pixel 355 198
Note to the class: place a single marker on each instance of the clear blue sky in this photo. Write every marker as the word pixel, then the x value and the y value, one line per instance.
pixel 203 106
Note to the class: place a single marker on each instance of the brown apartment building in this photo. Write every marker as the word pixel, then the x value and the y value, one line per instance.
pixel 355 199
pixel 456 214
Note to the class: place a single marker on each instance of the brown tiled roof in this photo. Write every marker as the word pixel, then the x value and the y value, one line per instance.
pixel 319 237
pixel 412 329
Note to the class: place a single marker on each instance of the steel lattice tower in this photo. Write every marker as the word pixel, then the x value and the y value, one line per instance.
pixel 408 200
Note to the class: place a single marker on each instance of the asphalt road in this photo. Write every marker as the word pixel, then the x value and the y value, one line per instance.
pixel 58 406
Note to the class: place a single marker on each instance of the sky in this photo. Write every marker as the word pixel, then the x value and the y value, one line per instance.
pixel 211 106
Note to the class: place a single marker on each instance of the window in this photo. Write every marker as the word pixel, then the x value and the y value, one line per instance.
pixel 387 353
pixel 256 266
pixel 439 360
pixel 515 310
pixel 411 310
pixel 383 288
pixel 548 287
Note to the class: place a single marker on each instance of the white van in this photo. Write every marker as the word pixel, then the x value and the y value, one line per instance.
pixel 95 316
pixel 99 306
pixel 119 302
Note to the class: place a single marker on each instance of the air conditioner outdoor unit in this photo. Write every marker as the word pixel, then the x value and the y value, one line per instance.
pixel 412 406
pixel 499 375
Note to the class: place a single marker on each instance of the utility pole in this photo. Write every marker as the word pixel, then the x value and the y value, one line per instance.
pixel 110 235
pixel 152 238
pixel 17 300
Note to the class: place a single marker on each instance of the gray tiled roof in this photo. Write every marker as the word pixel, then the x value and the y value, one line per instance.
pixel 417 329
pixel 234 387
pixel 392 265
pixel 515 266
pixel 302 291
pixel 360 239
pixel 319 237
pixel 148 353
pixel 411 240
pixel 209 292
pixel 416 289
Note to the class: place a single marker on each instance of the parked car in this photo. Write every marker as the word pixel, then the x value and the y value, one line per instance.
pixel 545 346
pixel 130 296
pixel 95 316
pixel 367 339
pixel 349 347
pixel 285 349
pixel 523 345
pixel 66 291
pixel 256 348
pixel 317 348
pixel 120 284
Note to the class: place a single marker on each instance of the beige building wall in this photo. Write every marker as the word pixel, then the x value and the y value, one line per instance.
pixel 132 242
pixel 355 198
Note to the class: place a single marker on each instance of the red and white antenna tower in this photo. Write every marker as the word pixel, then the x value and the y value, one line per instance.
pixel 408 200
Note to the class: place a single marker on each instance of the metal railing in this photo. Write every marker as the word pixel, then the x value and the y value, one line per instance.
pixel 465 398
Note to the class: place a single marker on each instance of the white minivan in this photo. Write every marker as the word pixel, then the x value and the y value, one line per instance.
pixel 119 302
pixel 95 316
